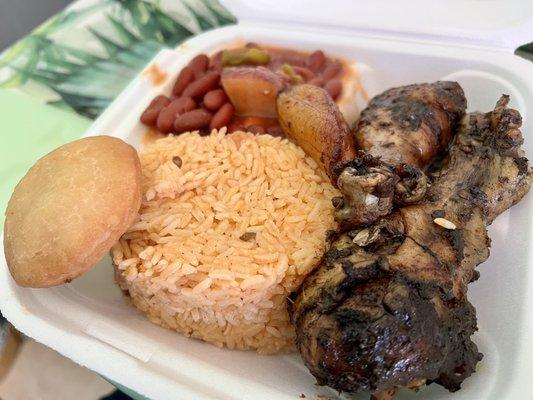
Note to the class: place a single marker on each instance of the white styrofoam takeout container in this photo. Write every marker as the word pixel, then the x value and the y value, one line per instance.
pixel 89 321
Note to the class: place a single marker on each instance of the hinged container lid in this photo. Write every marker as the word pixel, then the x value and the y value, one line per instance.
pixel 488 23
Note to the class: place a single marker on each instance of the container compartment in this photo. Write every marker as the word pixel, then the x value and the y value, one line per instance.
pixel 90 321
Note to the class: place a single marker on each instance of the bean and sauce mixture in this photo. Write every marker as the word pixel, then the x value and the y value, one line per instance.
pixel 237 88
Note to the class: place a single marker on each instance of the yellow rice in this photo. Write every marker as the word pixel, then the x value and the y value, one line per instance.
pixel 186 263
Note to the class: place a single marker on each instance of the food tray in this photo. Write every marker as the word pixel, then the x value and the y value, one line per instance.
pixel 89 321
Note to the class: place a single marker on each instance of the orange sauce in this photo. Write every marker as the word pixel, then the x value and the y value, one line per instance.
pixel 155 74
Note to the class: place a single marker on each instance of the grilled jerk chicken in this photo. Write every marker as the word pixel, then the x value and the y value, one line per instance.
pixel 411 124
pixel 387 307
pixel 401 131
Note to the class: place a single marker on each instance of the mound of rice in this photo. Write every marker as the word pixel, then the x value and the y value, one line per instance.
pixel 229 226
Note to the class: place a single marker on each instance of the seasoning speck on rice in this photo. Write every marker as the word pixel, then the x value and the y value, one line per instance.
pixel 224 236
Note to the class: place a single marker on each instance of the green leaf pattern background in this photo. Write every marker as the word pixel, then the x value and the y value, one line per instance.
pixel 57 79
pixel 83 57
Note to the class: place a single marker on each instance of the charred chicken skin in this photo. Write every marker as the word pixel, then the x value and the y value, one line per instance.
pixel 387 307
pixel 411 124
pixel 401 132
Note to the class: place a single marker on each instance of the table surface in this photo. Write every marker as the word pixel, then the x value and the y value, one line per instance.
pixel 19 17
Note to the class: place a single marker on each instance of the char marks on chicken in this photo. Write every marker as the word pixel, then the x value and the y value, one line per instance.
pixel 411 124
pixel 401 132
pixel 387 307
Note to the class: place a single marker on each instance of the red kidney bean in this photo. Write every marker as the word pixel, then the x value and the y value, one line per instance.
pixel 192 121
pixel 334 88
pixel 185 77
pixel 216 65
pixel 199 65
pixel 170 112
pixel 316 61
pixel 258 129
pixel 149 116
pixel 165 120
pixel 317 81
pixel 305 73
pixel 222 117
pixel 200 87
pixel 275 130
pixel 216 62
pixel 182 104
pixel 189 104
pixel 214 99
pixel 332 70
